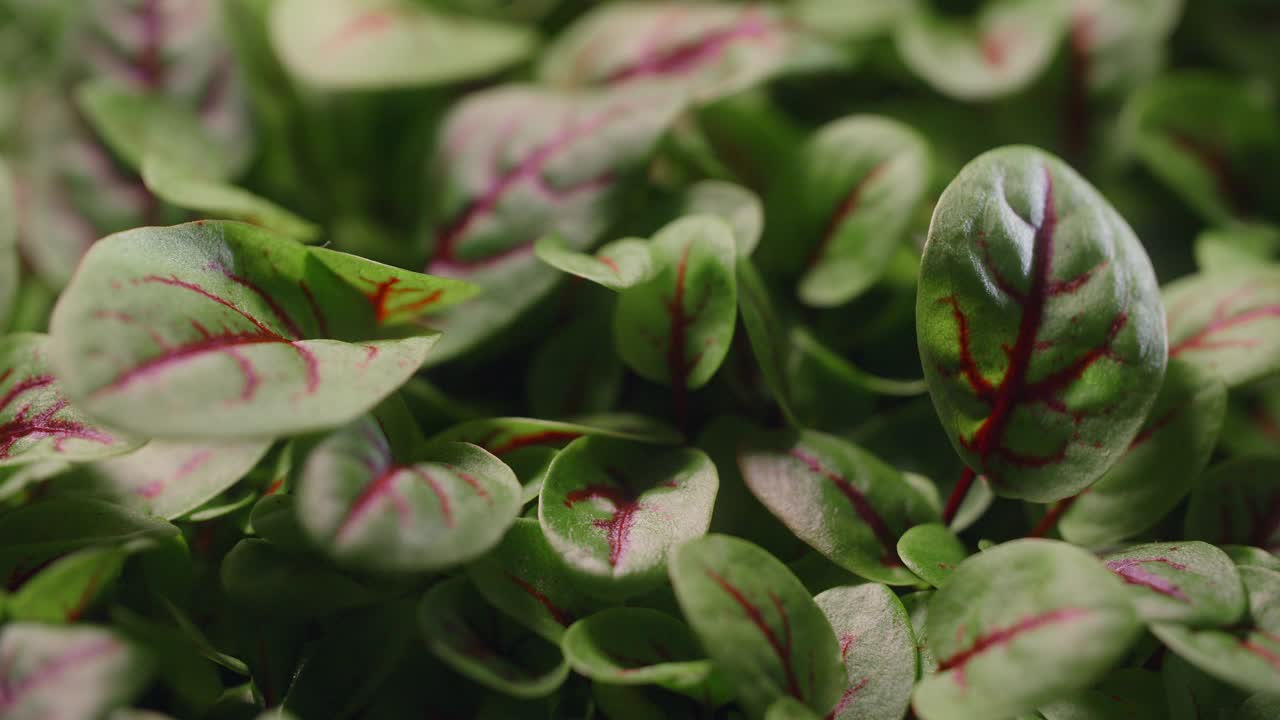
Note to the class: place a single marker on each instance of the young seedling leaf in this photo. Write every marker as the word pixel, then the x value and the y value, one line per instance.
pixel 503 436
pixel 932 552
pixel 137 124
pixel 1237 247
pixel 1126 694
pixel 788 708
pixel 37 421
pixel 614 510
pixel 397 296
pixel 767 335
pixel 617 265
pixel 1160 465
pixel 373 501
pixel 677 328
pixel 1237 502
pixel 1190 583
pixel 481 644
pixel 220 330
pixel 734 204
pixel 841 500
pixel 1020 625
pixel 525 578
pixel 812 357
pixel 72 672
pixel 275 520
pixel 917 605
pixel 877 648
pixel 570 374
pixel 842 207
pixel 1247 656
pixel 67 588
pixel 272 583
pixel 758 624
pixel 1243 555
pixel 1227 322
pixel 1004 46
pixel 1040 326
pixel 1188 690
pixel 1252 425
pixel 382 44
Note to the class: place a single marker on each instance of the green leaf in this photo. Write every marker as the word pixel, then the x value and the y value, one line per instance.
pixel 734 204
pixel 570 374
pixel 9 267
pixel 1227 322
pixel 136 125
pixel 613 510
pixel 37 422
pixel 501 436
pixel 563 164
pixel 220 330
pixel 716 49
pixel 63 591
pixel 1040 328
pixel 481 644
pixel 877 648
pixel 1252 425
pixel 1020 625
pixel 932 552
pixel 1126 694
pixel 372 499
pixel 1236 502
pixel 1247 657
pixel 676 329
pixel 1237 247
pixel 841 500
pixel 524 578
pixel 1259 707
pixel 1188 690
pixel 1191 583
pixel 841 209
pixel 396 296
pixel 788 708
pixel 767 335
pixel 618 265
pixel 758 624
pixel 380 44
pixel 1160 465
pixel 812 357
pixel 73 672
pixel 1000 50
pixel 638 646
pixel 269 582
pixel 917 605
pixel 1243 555
pixel 275 520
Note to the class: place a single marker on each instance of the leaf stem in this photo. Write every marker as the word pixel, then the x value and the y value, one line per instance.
pixel 958 494
pixel 1052 517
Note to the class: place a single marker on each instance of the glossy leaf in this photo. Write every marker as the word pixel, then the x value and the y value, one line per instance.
pixel 64 590
pixel 758 624
pixel 1002 48
pixel 352 45
pixel 1190 583
pixel 80 672
pixel 1237 502
pixel 1160 465
pixel 706 50
pixel 518 163
pixel 842 207
pixel 618 265
pixel 524 578
pixel 932 552
pixel 396 296
pixel 1247 657
pixel 219 329
pixel 1227 322
pixel 37 421
pixel 1020 625
pixel 732 203
pixel 677 328
pixel 1040 328
pixel 877 648
pixel 372 500
pixel 841 500
pixel 482 645
pixel 614 510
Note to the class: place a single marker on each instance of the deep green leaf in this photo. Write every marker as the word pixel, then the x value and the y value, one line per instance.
pixel 39 531
pixel 617 265
pixel 270 582
pixel 1237 502
pixel 67 588
pixel 932 552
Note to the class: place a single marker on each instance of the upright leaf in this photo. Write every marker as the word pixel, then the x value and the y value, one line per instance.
pixel 64 590
pixel 614 510
pixel 1227 322
pixel 1040 328
pixel 219 329
pixel 618 265
pixel 37 421
pixel 932 552
pixel 396 296
pixel 1191 583
pixel 734 204
pixel 877 648
pixel 1020 625
pixel 74 672
pixel 758 624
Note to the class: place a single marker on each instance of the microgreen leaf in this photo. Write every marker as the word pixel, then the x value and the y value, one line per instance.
pixel 758 624
pixel 239 312
pixel 73 672
pixel 352 45
pixel 1160 465
pixel 270 582
pixel 613 510
pixel 734 204
pixel 8 244
pixel 502 436
pixel 838 498
pixel 397 296
pixel 138 124
pixel 64 590
pixel 481 644
pixel 618 265
pixel 1237 502
pixel 877 649
pixel 1191 583
pixel 932 552
pixel 1060 623
pixel 1227 322
pixel 1126 694
pixel 569 375
pixel 1040 328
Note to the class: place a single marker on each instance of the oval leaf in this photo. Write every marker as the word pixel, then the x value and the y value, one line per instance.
pixel 932 552
pixel 758 624
pixel 79 672
pixel 735 204
pixel 838 498
pixel 1191 583
pixel 1227 322
pixel 1040 328
pixel 34 533
pixel 613 510
pixel 502 436
pixel 1019 625
pixel 638 646
pixel 267 581
pixel 618 265
pixel 877 649
pixel 63 591
pixel 397 296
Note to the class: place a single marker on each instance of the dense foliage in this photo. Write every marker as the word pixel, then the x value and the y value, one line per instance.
pixel 846 359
